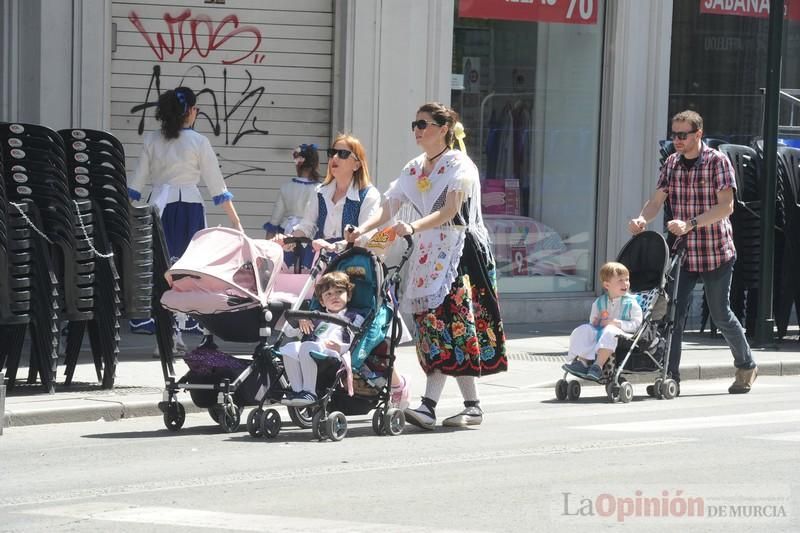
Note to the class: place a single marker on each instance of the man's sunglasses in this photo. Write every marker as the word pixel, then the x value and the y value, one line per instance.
pixel 422 124
pixel 343 154
pixel 681 135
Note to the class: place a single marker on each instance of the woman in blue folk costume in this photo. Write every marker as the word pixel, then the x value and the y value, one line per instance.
pixel 345 197
pixel 174 160
pixel 293 199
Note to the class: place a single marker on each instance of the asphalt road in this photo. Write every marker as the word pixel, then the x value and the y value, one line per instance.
pixel 706 461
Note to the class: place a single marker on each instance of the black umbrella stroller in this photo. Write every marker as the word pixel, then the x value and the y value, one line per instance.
pixel 654 276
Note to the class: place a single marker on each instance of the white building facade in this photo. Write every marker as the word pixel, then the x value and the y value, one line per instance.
pixel 563 105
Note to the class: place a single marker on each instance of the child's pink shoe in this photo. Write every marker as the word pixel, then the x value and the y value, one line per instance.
pixel 400 394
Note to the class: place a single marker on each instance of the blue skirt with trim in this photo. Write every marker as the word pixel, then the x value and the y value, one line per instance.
pixel 181 220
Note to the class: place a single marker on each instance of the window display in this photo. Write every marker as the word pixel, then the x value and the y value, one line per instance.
pixel 527 82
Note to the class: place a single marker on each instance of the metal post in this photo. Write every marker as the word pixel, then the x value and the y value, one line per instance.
pixel 764 319
pixel 2 402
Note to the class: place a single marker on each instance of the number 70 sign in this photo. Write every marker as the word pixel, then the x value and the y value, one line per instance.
pixel 563 11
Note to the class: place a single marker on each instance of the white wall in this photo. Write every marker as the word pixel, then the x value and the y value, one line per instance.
pixel 55 62
pixel 396 57
pixel 636 95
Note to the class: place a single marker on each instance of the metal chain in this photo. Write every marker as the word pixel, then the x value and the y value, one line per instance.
pixel 30 222
pixel 86 236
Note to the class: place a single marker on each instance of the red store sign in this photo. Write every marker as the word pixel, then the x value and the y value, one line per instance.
pixel 748 8
pixel 563 11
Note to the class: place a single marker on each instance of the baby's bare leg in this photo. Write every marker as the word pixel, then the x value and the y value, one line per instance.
pixel 602 356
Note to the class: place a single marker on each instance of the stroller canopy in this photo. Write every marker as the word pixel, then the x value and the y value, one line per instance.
pixel 223 270
pixel 647 257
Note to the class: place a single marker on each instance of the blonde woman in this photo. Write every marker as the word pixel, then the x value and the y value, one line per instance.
pixel 345 197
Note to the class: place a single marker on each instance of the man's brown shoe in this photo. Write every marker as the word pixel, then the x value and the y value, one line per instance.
pixel 743 381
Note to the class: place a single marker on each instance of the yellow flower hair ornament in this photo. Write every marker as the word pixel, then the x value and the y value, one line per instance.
pixel 460 135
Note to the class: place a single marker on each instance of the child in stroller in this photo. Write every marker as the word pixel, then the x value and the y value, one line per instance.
pixel 615 313
pixel 371 351
pixel 643 349
pixel 321 339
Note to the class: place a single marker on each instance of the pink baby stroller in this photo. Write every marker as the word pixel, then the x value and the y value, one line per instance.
pixel 234 287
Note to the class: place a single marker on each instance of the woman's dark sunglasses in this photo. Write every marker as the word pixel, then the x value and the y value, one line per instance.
pixel 343 154
pixel 422 124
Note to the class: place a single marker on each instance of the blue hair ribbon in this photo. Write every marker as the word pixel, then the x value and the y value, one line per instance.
pixel 182 99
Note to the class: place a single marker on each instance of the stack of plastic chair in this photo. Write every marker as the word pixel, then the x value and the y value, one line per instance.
pixel 35 187
pixel 746 222
pixel 97 171
pixel 788 292
pixel 15 277
pixel 96 175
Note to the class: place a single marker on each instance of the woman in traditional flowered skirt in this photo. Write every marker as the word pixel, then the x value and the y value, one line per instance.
pixel 451 286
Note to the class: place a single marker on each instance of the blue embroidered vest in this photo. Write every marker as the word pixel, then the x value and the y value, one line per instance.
pixel 350 213
pixel 627 303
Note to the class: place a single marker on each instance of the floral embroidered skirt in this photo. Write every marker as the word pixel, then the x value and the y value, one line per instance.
pixel 464 336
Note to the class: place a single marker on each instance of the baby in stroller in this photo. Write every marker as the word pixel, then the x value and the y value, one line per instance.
pixel 615 313
pixel 320 339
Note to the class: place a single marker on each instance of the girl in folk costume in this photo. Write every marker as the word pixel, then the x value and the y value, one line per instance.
pixel 345 197
pixel 293 199
pixel 452 288
pixel 175 159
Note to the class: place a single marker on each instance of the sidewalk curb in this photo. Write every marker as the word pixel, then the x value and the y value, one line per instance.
pixel 117 408
pixel 91 410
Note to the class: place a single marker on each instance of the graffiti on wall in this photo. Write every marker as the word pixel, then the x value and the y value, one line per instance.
pixel 231 113
pixel 228 105
pixel 186 35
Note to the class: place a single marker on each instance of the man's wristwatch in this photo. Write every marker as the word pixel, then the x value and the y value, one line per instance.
pixel 693 223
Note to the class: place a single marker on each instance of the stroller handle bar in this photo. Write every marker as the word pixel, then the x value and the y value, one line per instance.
pixel 302 241
pixel 293 317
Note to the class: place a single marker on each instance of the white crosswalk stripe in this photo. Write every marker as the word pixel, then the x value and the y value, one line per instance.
pixel 216 520
pixel 700 422
pixel 786 437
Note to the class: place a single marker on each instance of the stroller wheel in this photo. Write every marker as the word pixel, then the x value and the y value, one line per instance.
pixel 561 390
pixel 626 392
pixel 669 389
pixel 301 416
pixel 612 391
pixel 175 416
pixel 377 422
pixel 394 422
pixel 254 422
pixel 230 418
pixel 573 390
pixel 318 425
pixel 336 426
pixel 270 423
pixel 654 390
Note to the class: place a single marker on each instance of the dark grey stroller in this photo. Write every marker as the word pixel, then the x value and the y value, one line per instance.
pixel 654 277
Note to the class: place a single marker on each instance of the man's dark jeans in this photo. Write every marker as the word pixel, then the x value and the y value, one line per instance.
pixel 717 284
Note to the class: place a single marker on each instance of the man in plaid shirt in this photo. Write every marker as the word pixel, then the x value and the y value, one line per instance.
pixel 699 184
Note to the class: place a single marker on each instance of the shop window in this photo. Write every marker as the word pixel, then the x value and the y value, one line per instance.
pixel 527 80
pixel 718 68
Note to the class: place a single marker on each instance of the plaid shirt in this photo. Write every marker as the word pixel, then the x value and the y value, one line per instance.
pixel 694 191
